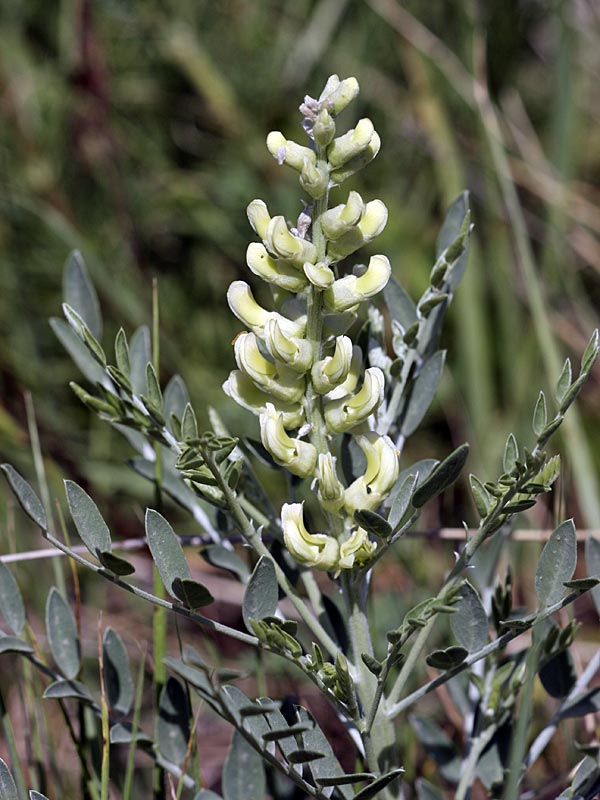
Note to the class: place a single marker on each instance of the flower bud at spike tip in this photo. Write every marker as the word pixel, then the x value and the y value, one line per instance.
pixel 337 95
pixel 279 272
pixel 331 491
pixel 383 468
pixel 324 128
pixel 312 549
pixel 333 370
pixel 344 414
pixel 295 455
pixel 288 152
pixel 351 290
pixel 351 144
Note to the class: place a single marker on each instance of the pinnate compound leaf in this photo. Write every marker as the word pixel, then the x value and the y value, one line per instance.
pixel 557 564
pixel 117 674
pixel 373 789
pixel 172 726
pixel 243 773
pixel 90 524
pixel 423 392
pixel 115 564
pixel 592 560
pixel 12 644
pixel 8 789
pixel 28 499
pixel 262 593
pixel 11 601
pixel 60 690
pixel 469 622
pixel 62 634
pixel 195 677
pixel 442 476
pixel 79 293
pixel 166 551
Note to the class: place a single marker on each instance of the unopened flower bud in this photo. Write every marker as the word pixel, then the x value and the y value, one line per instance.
pixel 330 491
pixel 365 157
pixel 338 94
pixel 282 243
pixel 246 394
pixel 277 271
pixel 296 456
pixel 283 384
pixel 383 467
pixel 314 179
pixel 320 275
pixel 258 217
pixel 356 551
pixel 333 370
pixel 338 220
pixel 289 152
pixel 313 549
pixel 324 128
pixel 351 290
pixel 347 412
pixel 351 144
pixel 295 353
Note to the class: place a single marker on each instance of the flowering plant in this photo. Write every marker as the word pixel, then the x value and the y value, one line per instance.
pixel 340 367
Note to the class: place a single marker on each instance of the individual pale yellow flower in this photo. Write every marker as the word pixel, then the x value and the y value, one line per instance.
pixel 295 455
pixel 312 549
pixel 356 551
pixel 283 384
pixel 333 370
pixel 383 467
pixel 347 412
pixel 295 353
pixel 241 301
pixel 352 289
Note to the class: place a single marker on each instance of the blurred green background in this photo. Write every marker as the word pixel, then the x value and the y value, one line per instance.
pixel 135 132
